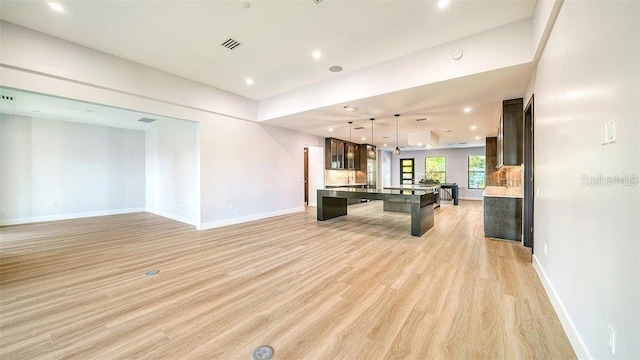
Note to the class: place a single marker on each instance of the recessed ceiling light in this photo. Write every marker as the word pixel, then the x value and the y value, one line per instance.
pixel 330 129
pixel 443 3
pixel 335 68
pixel 56 6
pixel 364 138
pixel 245 4
pixel 316 54
pixel 249 81
pixel 467 109
pixel 385 145
pixel 419 144
pixel 473 127
pixel 348 108
pixel 477 137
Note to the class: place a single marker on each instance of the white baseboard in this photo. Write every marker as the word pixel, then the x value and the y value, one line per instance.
pixel 313 204
pixel 569 327
pixel 56 217
pixel 243 219
pixel 171 216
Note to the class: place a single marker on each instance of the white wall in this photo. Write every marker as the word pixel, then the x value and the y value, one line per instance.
pixel 52 170
pixel 250 171
pixel 316 173
pixel 257 169
pixel 172 170
pixel 456 162
pixel 589 73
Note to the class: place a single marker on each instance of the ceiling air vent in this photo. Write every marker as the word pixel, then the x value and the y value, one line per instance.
pixel 7 97
pixel 147 120
pixel 230 43
pixel 422 119
pixel 462 143
pixel 358 128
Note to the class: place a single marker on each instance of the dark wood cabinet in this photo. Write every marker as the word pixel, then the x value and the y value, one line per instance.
pixel 510 136
pixel 491 161
pixel 336 155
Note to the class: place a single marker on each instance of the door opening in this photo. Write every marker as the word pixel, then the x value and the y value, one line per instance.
pixel 528 181
pixel 306 176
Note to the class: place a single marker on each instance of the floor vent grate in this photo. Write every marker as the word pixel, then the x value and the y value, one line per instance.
pixel 263 352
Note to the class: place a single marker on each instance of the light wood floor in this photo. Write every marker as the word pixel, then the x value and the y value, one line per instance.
pixel 358 287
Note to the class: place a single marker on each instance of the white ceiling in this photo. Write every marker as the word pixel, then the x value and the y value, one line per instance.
pixel 183 37
pixel 441 103
pixel 278 37
pixel 55 108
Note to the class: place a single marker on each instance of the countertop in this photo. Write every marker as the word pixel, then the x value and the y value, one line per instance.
pixel 414 187
pixel 346 185
pixel 503 191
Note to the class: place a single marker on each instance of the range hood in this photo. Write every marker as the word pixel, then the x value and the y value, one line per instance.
pixel 426 139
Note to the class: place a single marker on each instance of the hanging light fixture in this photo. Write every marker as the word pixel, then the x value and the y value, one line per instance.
pixel 397 151
pixel 350 152
pixel 372 152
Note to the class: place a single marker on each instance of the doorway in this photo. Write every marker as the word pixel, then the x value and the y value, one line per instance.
pixel 306 176
pixel 528 181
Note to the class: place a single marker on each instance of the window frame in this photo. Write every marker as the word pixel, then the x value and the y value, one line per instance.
pixel 483 172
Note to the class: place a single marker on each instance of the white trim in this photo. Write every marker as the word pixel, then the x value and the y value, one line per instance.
pixel 243 219
pixel 313 203
pixel 580 348
pixel 56 217
pixel 171 216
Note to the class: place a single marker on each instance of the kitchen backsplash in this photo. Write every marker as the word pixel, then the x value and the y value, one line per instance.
pixel 339 177
pixel 510 176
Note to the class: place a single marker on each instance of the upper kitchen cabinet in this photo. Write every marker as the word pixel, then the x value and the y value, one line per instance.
pixel 336 155
pixel 352 156
pixel 510 131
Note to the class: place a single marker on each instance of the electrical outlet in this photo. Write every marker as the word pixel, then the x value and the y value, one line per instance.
pixel 545 249
pixel 611 339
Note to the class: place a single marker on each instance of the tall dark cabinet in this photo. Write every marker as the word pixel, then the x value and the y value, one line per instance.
pixel 491 161
pixel 509 141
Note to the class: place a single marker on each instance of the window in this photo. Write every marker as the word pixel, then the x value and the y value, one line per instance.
pixel 407 173
pixel 476 171
pixel 435 169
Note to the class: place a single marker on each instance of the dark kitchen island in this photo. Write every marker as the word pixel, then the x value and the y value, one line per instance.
pixel 332 203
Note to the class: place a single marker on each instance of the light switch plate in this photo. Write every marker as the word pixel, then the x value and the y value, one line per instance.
pixel 604 139
pixel 611 131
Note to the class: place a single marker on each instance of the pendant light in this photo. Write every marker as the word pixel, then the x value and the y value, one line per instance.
pixel 397 151
pixel 372 152
pixel 350 152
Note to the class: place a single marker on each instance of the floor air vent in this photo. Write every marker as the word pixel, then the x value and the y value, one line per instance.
pixel 147 120
pixel 230 43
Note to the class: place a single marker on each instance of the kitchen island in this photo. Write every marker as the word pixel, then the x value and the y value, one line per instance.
pixel 332 203
pixel 404 207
